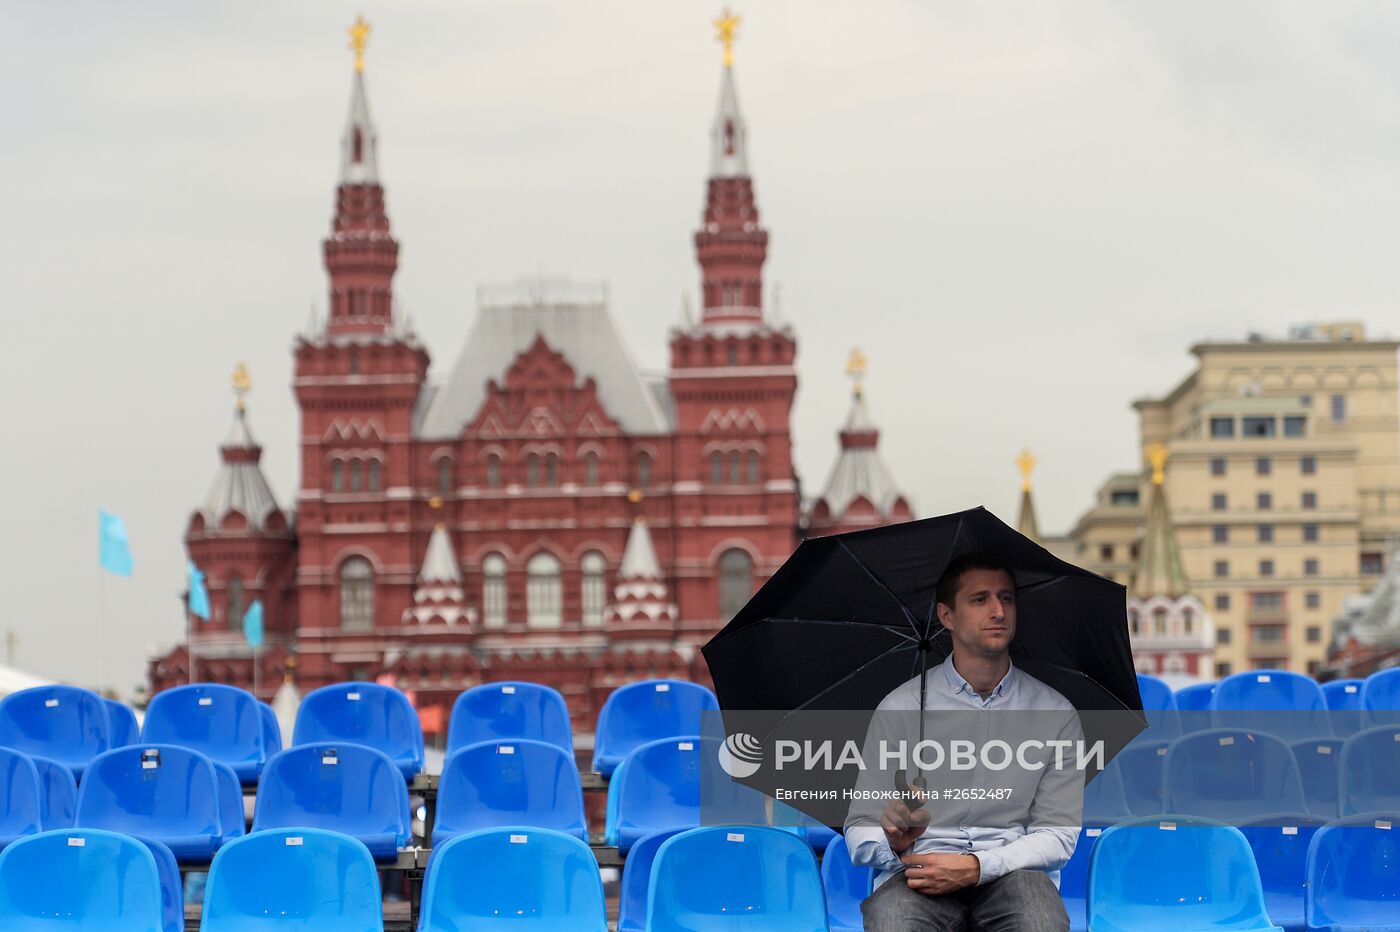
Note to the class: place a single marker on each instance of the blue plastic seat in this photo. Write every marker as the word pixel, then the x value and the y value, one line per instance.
pixel 677 783
pixel 1104 799
pixel 223 723
pixel 80 879
pixel 60 793
pixel 376 716
pixel 513 877
pixel 1368 780
pixel 346 788
pixel 121 722
pixel 1380 698
pixel 636 879
pixel 503 711
pixel 800 823
pixel 163 792
pixel 1344 705
pixel 498 783
pixel 639 713
pixel 1319 766
pixel 272 732
pixel 21 797
pixel 1232 775
pixel 304 878
pixel 1281 853
pixel 1174 875
pixel 1287 705
pixel 846 887
pixel 62 723
pixel 1352 869
pixel 231 819
pixel 1193 707
pixel 1140 766
pixel 1104 805
pixel 1159 702
pixel 172 886
pixel 731 878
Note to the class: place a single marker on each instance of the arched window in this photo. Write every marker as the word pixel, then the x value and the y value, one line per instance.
pixel 356 476
pixel 731 352
pixel 643 476
pixel 736 474
pixel 233 605
pixel 544 606
pixel 753 468
pixel 532 470
pixel 590 468
pixel 1134 628
pixel 1159 622
pixel 716 468
pixel 735 582
pixel 595 587
pixel 444 469
pixel 493 471
pixel 493 591
pixel 337 476
pixel 374 475
pixel 551 469
pixel 1188 621
pixel 356 595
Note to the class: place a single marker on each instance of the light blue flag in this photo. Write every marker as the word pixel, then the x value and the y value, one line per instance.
pixel 252 624
pixel 114 550
pixel 199 595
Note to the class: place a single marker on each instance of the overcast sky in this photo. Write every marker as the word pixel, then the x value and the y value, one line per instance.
pixel 1023 212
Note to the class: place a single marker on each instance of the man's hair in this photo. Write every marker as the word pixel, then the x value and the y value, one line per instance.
pixel 947 588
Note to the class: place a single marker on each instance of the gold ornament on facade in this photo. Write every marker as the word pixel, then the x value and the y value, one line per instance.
pixel 635 496
pixel 1026 462
pixel 1157 459
pixel 359 37
pixel 242 384
pixel 726 30
pixel 855 368
pixel 435 502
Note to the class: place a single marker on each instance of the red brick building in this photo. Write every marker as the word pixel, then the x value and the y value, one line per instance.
pixel 544 511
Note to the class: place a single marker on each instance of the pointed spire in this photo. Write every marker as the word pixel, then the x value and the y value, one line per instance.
pixel 1027 523
pixel 439 596
pixel 359 146
pixel 440 565
pixel 240 486
pixel 1159 571
pixel 729 150
pixel 641 608
pixel 639 559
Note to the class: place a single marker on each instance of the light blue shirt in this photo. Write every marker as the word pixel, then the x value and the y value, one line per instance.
pixel 1035 830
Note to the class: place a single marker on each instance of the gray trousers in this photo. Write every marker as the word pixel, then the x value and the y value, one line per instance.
pixel 1021 901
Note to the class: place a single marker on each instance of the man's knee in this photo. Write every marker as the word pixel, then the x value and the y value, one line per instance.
pixel 1022 901
pixel 893 907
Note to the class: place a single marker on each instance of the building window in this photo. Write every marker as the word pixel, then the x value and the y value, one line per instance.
pixel 1222 636
pixel 1268 664
pixel 1263 466
pixel 1339 409
pixel 1314 668
pixel 753 468
pixel 1159 622
pixel 1310 533
pixel 731 353
pixel 234 603
pixel 1134 624
pixel 1222 601
pixel 1313 600
pixel 444 471
pixel 493 591
pixel 1266 567
pixel 1220 534
pixel 1266 601
pixel 1314 634
pixel 1123 498
pixel 1132 551
pixel 1293 425
pixel 1217 466
pixel 1266 533
pixel 1257 426
pixel 356 476
pixel 493 471
pixel 595 587
pixel 1372 564
pixel 354 361
pixel 1308 465
pixel 590 469
pixel 1106 552
pixel 643 470
pixel 373 471
pixel 532 470
pixel 1309 500
pixel 1263 501
pixel 736 474
pixel 1188 621
pixel 551 469
pixel 716 468
pixel 1222 427
pixel 1268 634
pixel 543 594
pixel 1218 501
pixel 337 476
pixel 1222 569
pixel 1310 567
pixel 735 582
pixel 1223 670
pixel 357 595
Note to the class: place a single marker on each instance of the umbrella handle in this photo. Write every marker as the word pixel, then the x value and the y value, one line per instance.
pixel 908 789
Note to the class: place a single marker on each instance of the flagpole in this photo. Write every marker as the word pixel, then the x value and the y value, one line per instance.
pixel 101 626
pixel 189 639
pixel 255 673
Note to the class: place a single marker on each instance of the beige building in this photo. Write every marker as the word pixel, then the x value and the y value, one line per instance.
pixel 1284 484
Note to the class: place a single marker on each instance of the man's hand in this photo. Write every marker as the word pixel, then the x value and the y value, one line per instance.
pixel 941 873
pixel 901 826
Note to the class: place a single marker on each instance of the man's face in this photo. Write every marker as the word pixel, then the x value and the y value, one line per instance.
pixel 982 619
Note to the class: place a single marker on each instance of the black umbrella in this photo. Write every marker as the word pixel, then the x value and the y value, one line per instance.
pixel 849 617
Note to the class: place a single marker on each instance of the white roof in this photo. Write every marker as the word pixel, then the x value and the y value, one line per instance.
pixel 586 336
pixel 639 559
pixel 365 170
pixel 859 471
pixel 240 484
pixel 440 563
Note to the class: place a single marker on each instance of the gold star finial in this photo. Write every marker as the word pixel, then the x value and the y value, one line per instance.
pixel 1157 457
pixel 242 384
pixel 359 37
pixel 1026 463
pixel 855 368
pixel 726 29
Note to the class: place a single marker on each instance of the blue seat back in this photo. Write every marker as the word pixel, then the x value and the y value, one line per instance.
pixel 1159 702
pixel 60 793
pixel 1351 874
pixel 345 788
pixel 845 885
pixel 1344 705
pixel 63 723
pixel 1368 780
pixel 1174 874
pixel 272 731
pixel 97 881
pixel 498 783
pixel 306 878
pixel 639 713
pixel 164 792
pixel 546 880
pixel 122 724
pixel 376 716
pixel 221 722
pixel 1290 706
pixel 1193 707
pixel 1319 766
pixel 1281 854
pixel 1140 766
pixel 1104 799
pixel 231 818
pixel 794 820
pixel 172 885
pixel 21 796
pixel 1380 698
pixel 502 711
pixel 705 878
pixel 676 783
pixel 1074 877
pixel 636 879
pixel 1232 775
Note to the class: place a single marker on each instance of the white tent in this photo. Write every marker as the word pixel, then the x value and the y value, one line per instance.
pixel 284 706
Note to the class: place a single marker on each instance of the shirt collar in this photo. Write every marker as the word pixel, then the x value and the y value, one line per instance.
pixel 956 683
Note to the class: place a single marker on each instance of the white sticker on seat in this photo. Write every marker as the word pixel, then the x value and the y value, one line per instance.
pixel 1351 688
pixel 1167 826
pixel 734 836
pixel 50 703
pixel 1290 830
pixel 519 839
pixel 1093 832
pixel 77 842
pixel 685 746
pixel 205 700
pixel 293 841
pixel 663 687
pixel 1264 678
pixel 328 759
pixel 508 690
pixel 1324 749
pixel 1226 741
pixel 1162 752
pixel 505 749
pixel 353 697
pixel 149 765
pixel 1383 825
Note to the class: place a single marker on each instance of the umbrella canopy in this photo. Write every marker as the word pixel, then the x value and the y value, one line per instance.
pixel 849 617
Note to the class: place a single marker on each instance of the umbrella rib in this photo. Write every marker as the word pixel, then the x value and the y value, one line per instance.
pixel 1081 673
pixel 880 656
pixel 841 621
pixel 952 548
pixel 908 614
